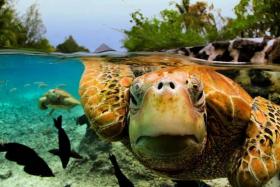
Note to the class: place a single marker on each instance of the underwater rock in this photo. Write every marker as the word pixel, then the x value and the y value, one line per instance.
pixel 259 83
pixel 231 73
pixel 275 97
pixel 5 174
pixel 260 78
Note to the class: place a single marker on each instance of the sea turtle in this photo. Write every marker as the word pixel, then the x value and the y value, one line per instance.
pixel 57 99
pixel 186 122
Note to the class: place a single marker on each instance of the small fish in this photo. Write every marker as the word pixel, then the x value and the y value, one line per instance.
pixel 81 120
pixel 23 155
pixel 3 81
pixel 122 179
pixel 64 150
pixel 27 85
pixel 61 85
pixel 42 85
pixel 12 90
pixel 191 183
pixel 38 82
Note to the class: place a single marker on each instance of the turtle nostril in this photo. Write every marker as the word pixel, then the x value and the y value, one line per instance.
pixel 172 85
pixel 160 85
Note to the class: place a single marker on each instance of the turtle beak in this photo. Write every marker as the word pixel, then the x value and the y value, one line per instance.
pixel 167 123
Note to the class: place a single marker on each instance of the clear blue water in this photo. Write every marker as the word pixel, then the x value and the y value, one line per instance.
pixel 24 76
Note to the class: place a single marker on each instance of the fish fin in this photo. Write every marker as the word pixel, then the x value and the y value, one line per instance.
pixel 58 122
pixel 50 113
pixel 81 120
pixel 76 155
pixel 2 147
pixel 55 152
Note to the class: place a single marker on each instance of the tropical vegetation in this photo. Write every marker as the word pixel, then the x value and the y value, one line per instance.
pixel 28 31
pixel 70 46
pixel 199 23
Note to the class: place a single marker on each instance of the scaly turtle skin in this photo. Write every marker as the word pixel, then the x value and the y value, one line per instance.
pixel 185 122
pixel 57 99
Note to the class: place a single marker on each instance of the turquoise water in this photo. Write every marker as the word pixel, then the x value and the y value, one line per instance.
pixel 24 78
pixel 31 75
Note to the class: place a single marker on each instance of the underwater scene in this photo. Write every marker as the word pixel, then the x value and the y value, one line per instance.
pixel 37 88
pixel 121 93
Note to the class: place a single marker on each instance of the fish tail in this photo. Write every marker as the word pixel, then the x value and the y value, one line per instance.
pixel 58 122
pixel 3 147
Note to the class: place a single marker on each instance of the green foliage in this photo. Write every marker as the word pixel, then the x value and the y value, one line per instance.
pixel 33 25
pixel 256 18
pixel 155 34
pixel 25 33
pixel 196 23
pixel 70 46
pixel 189 25
pixel 12 32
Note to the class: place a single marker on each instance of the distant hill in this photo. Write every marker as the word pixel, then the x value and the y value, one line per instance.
pixel 103 48
pixel 70 46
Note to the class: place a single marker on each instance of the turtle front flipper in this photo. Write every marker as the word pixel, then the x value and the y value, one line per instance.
pixel 259 159
pixel 104 91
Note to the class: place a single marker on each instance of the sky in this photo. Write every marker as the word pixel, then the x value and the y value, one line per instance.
pixel 93 22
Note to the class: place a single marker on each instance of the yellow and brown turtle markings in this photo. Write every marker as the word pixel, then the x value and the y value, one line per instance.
pixel 104 94
pixel 223 94
pixel 261 158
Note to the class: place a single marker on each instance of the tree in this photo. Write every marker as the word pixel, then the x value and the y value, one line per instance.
pixel 157 34
pixel 190 24
pixel 70 46
pixel 12 33
pixel 256 18
pixel 34 26
pixel 35 30
pixel 22 33
pixel 197 17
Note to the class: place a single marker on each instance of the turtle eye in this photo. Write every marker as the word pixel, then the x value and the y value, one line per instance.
pixel 133 100
pixel 135 94
pixel 196 90
pixel 199 96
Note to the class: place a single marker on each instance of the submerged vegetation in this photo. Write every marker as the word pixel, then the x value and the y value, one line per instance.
pixel 194 24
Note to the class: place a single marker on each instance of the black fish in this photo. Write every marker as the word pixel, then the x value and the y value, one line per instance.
pixel 64 151
pixel 81 120
pixel 122 179
pixel 23 155
pixel 192 183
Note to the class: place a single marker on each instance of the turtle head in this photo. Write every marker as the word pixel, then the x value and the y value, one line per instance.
pixel 167 119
